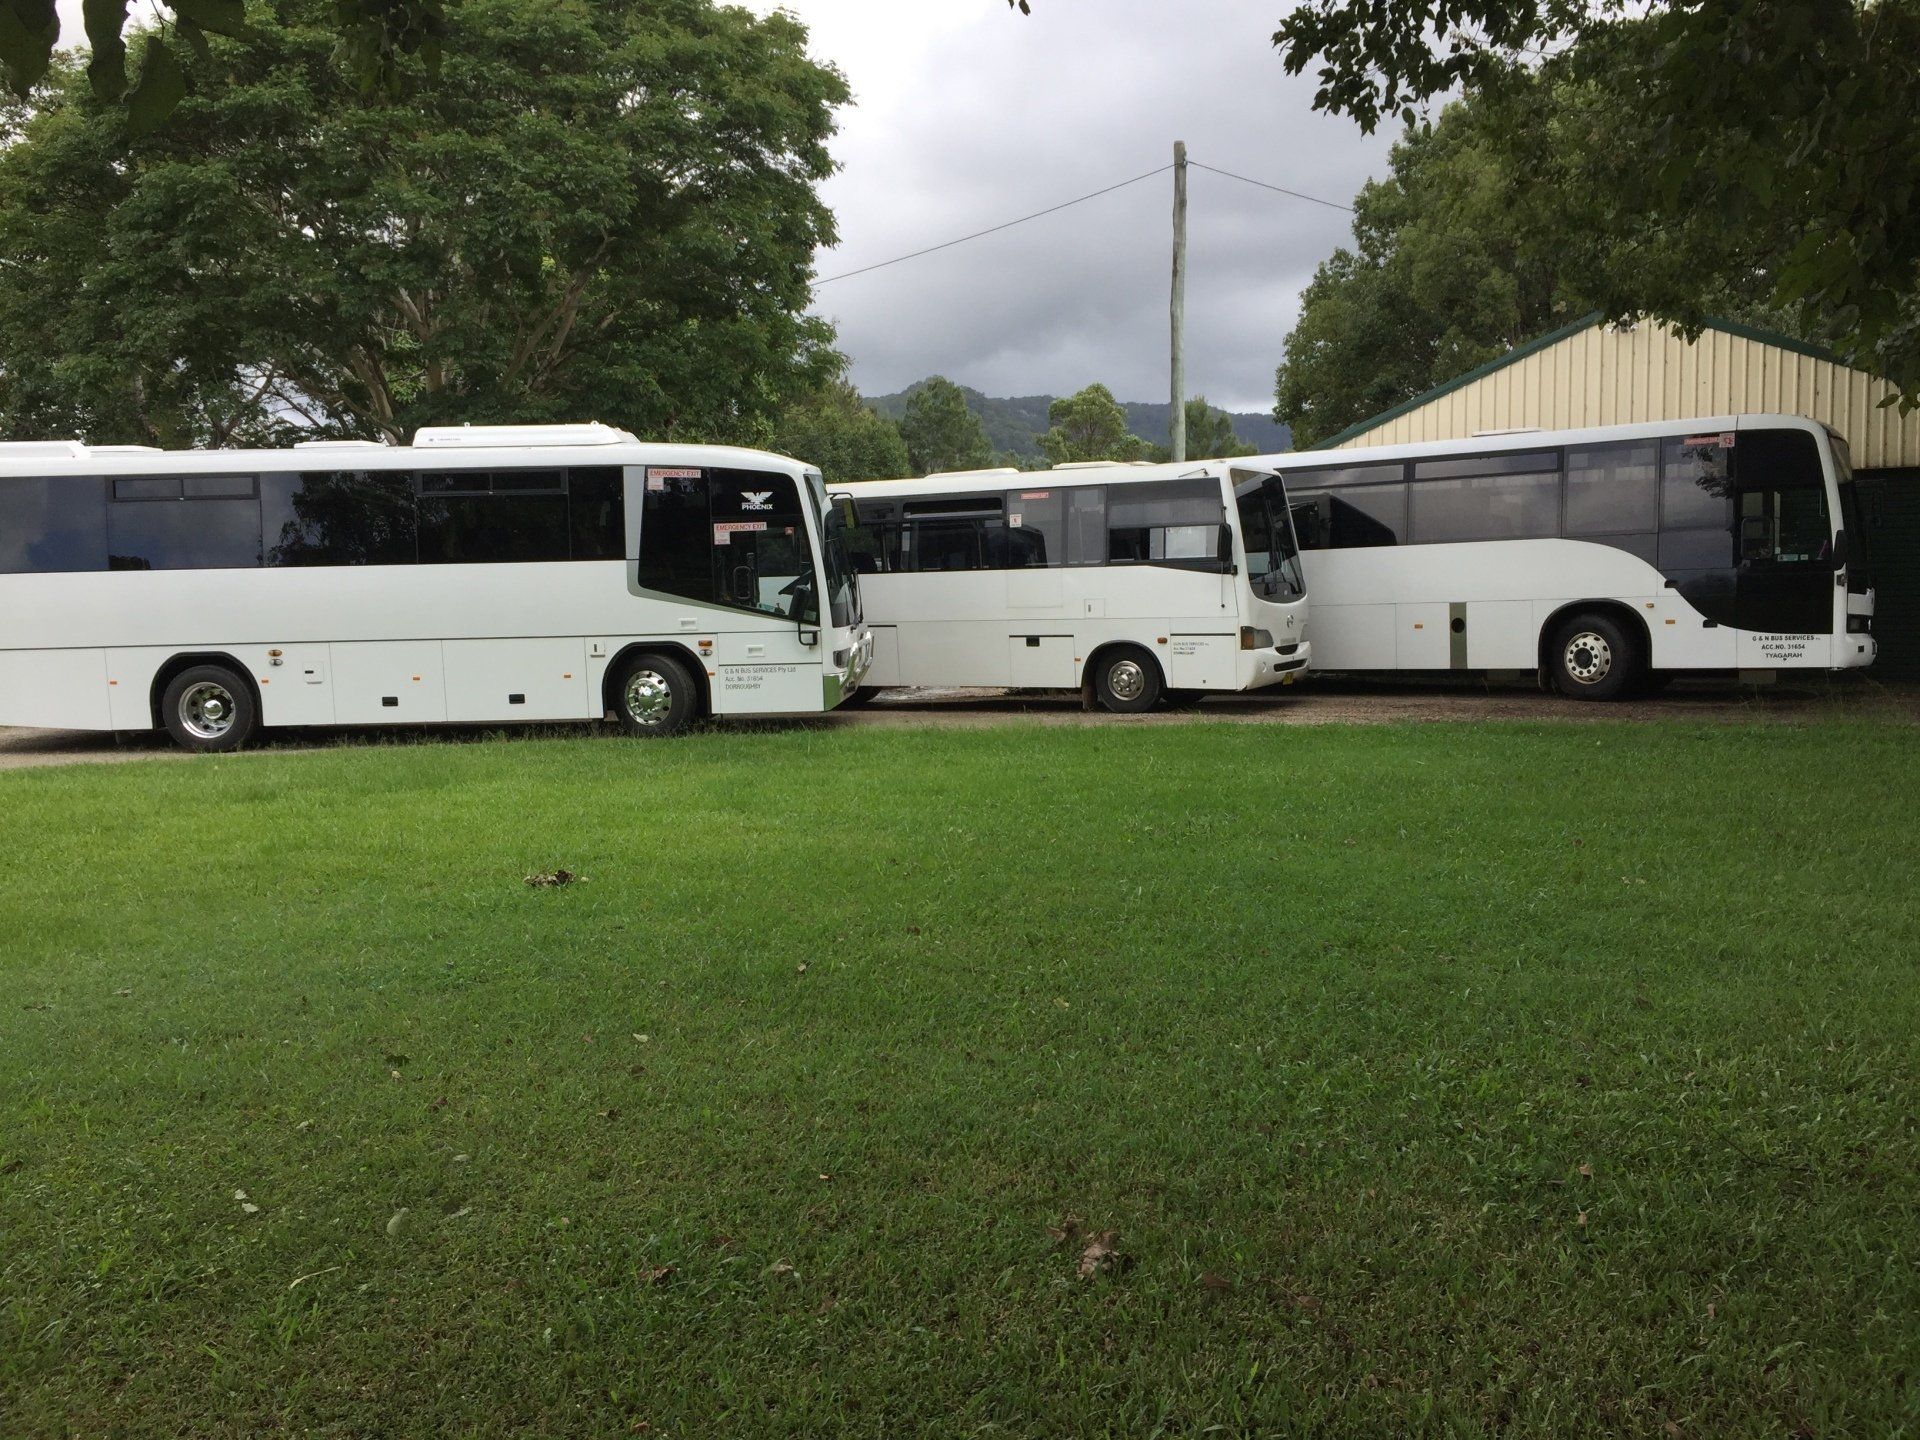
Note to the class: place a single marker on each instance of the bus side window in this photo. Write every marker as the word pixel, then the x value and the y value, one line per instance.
pixel 1087 525
pixel 199 523
pixel 52 526
pixel 1310 520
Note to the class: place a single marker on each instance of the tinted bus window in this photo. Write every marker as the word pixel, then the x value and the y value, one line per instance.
pixel 761 558
pixel 338 517
pixel 49 526
pixel 597 512
pixel 1167 522
pixel 1357 519
pixel 1696 484
pixel 496 529
pixel 181 534
pixel 1037 528
pixel 1087 525
pixel 676 537
pixel 1613 489
pixel 1485 507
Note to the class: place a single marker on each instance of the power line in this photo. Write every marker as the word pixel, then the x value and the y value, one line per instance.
pixel 1279 189
pixel 993 230
pixel 1068 205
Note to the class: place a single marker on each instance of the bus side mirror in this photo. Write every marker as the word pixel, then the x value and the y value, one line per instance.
pixel 848 517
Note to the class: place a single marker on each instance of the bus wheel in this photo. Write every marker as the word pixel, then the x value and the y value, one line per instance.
pixel 210 709
pixel 655 696
pixel 1594 658
pixel 854 699
pixel 1128 680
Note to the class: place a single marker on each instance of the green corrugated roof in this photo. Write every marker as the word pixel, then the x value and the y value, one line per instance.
pixel 1554 337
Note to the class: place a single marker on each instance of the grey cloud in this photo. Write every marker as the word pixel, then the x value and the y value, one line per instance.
pixel 1013 115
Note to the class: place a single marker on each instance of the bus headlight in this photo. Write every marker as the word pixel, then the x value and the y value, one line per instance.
pixel 840 659
pixel 1252 639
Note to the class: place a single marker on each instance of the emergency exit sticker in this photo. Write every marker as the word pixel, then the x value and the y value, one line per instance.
pixel 724 531
pixel 658 475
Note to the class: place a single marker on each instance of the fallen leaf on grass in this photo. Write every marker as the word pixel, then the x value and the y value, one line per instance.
pixel 657 1275
pixel 552 879
pixel 1068 1229
pixel 1218 1284
pixel 1581 1218
pixel 1586 1170
pixel 1102 1254
pixel 123 993
pixel 399 1221
pixel 247 1207
pixel 781 1267
pixel 801 968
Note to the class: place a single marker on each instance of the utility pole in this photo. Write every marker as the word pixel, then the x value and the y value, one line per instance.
pixel 1179 308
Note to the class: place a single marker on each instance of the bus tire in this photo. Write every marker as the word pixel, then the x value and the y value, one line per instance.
pixel 854 699
pixel 1593 657
pixel 1127 680
pixel 655 696
pixel 211 709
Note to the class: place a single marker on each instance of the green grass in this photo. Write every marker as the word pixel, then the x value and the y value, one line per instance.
pixel 1541 1080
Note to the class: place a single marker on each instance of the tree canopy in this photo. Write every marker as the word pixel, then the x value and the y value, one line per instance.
pixel 1768 138
pixel 838 431
pixel 373 38
pixel 597 212
pixel 1492 227
pixel 1210 433
pixel 941 432
pixel 1089 426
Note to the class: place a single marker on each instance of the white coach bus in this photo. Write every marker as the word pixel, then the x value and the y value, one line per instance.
pixel 1131 582
pixel 1608 559
pixel 482 574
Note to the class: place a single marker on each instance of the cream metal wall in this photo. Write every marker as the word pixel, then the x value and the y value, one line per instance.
pixel 1613 376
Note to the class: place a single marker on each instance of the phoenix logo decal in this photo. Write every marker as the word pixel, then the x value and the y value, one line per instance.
pixel 756 500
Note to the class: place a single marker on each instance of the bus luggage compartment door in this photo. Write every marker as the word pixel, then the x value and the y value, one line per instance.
pixel 1040 662
pixel 1200 662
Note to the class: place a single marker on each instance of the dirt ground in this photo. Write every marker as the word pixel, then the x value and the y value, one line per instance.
pixel 1315 701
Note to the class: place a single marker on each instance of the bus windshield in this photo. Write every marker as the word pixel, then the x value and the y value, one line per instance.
pixel 843 585
pixel 1273 551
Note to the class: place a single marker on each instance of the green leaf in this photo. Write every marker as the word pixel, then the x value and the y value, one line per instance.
pixel 163 85
pixel 107 69
pixel 222 17
pixel 29 30
pixel 195 37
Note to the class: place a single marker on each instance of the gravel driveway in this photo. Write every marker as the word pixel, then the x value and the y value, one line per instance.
pixel 1317 701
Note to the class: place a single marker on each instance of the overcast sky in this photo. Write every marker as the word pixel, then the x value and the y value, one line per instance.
pixel 968 114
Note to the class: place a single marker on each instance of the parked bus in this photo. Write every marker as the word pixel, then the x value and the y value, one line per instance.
pixel 1131 581
pixel 482 574
pixel 1607 559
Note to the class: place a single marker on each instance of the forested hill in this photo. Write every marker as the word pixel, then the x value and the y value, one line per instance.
pixel 1014 423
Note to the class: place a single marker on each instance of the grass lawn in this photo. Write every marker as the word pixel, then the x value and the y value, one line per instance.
pixel 1544 1080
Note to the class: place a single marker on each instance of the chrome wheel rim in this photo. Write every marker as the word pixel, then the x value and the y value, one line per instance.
pixel 649 697
pixel 1127 680
pixel 207 710
pixel 1588 658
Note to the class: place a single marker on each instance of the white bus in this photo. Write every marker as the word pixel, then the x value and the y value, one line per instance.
pixel 1128 582
pixel 482 574
pixel 1606 559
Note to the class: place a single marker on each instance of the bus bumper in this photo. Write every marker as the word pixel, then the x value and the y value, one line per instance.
pixel 1278 666
pixel 836 685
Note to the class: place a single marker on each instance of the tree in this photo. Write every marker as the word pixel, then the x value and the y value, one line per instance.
pixel 1491 228
pixel 940 431
pixel 1210 434
pixel 1089 426
pixel 599 212
pixel 1788 121
pixel 838 431
pixel 373 37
